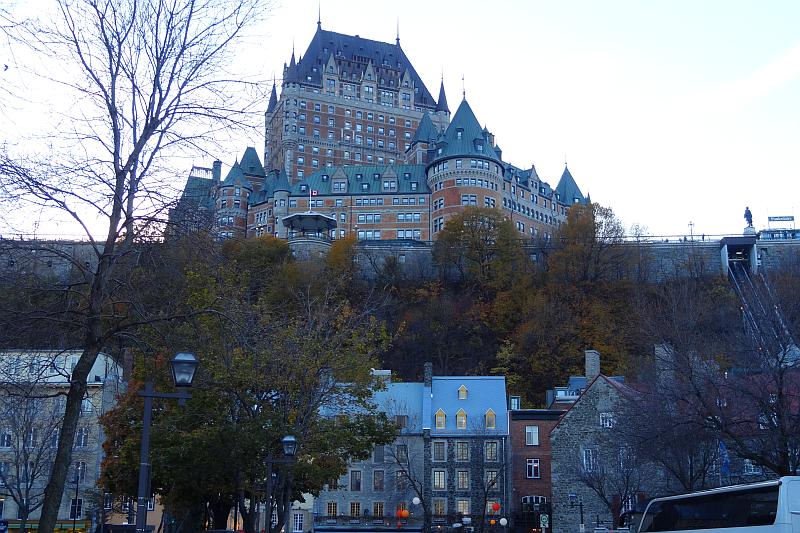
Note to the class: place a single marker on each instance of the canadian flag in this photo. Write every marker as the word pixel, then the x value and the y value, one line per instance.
pixel 314 192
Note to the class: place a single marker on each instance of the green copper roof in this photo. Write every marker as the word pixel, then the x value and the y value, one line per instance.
pixel 464 137
pixel 251 164
pixel 365 180
pixel 234 175
pixel 568 191
pixel 282 183
pixel 426 131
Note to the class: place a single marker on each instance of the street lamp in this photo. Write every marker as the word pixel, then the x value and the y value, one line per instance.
pixel 75 508
pixel 289 445
pixel 572 500
pixel 184 366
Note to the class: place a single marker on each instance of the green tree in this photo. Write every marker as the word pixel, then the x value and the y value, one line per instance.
pixel 480 247
pixel 283 352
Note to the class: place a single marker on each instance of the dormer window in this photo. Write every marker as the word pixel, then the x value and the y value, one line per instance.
pixel 462 393
pixel 459 133
pixel 461 419
pixel 303 188
pixel 441 419
pixel 491 419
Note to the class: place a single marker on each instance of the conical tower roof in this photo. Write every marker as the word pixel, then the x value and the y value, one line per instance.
pixel 251 164
pixel 464 136
pixel 568 191
pixel 426 131
pixel 283 182
pixel 441 103
pixel 273 99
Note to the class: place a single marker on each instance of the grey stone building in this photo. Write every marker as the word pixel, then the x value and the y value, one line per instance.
pixel 595 474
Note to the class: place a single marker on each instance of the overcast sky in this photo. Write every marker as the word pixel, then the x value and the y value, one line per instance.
pixel 669 112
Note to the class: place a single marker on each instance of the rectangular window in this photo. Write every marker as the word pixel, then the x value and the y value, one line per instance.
pixel 378 454
pixel 76 508
pixel 5 439
pixel 439 480
pixel 607 420
pixel 377 509
pixel 491 448
pixel 531 435
pixel 355 480
pixel 491 479
pixel 298 522
pixel 402 454
pixel 401 480
pixel 462 450
pixel 401 421
pixel 439 450
pixel 532 468
pixel 439 507
pixel 355 509
pixel 590 460
pixel 462 479
pixel 377 480
pixel 462 506
pixel 332 508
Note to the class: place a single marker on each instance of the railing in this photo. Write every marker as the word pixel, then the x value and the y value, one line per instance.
pixel 365 520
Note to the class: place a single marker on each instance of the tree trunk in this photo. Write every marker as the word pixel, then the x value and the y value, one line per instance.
pixel 77 389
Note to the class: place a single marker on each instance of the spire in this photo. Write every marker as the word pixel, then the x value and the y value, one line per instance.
pixel 319 15
pixel 398 31
pixel 441 103
pixel 463 88
pixel 292 63
pixel 273 98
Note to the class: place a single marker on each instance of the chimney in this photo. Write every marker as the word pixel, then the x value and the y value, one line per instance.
pixel 216 171
pixel 592 358
pixel 428 374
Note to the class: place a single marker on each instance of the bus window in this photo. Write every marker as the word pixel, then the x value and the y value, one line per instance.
pixel 743 508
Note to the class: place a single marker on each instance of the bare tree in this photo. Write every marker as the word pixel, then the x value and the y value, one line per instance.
pixel 31 413
pixel 151 79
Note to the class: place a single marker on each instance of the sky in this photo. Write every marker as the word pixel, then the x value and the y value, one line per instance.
pixel 675 114
pixel 670 113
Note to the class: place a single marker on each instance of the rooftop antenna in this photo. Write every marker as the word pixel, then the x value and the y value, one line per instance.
pixel 463 88
pixel 319 14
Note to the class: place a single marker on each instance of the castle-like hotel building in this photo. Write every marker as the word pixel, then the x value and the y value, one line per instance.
pixel 356 137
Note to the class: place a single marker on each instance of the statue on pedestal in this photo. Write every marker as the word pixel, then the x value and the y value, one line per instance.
pixel 748 216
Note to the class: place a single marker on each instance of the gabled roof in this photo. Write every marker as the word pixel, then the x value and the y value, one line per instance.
pixel 568 191
pixel 441 103
pixel 352 55
pixel 251 164
pixel 620 387
pixel 464 136
pixel 426 131
pixel 235 174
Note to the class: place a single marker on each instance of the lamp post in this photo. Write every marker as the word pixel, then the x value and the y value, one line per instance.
pixel 572 500
pixel 289 444
pixel 184 365
pixel 75 509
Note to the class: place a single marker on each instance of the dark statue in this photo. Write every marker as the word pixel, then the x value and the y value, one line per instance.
pixel 748 216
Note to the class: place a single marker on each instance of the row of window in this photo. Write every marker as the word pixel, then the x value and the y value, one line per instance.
pixel 32 438
pixel 438 508
pixel 476 182
pixel 490 480
pixel 461 450
pixel 348 112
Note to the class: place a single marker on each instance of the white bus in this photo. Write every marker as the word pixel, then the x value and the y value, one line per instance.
pixel 766 507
